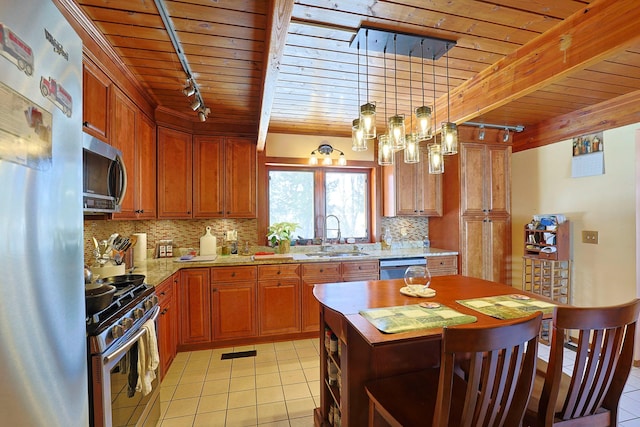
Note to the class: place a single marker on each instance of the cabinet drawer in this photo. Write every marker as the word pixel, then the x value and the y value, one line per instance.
pixel 233 274
pixel 164 290
pixel 357 268
pixel 442 262
pixel 279 271
pixel 322 269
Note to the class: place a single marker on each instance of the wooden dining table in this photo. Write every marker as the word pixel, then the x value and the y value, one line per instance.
pixel 367 353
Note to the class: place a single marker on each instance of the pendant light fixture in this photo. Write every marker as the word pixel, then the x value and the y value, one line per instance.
pixel 449 130
pixel 358 142
pixel 385 152
pixel 436 165
pixel 368 110
pixel 423 113
pixel 411 151
pixel 397 131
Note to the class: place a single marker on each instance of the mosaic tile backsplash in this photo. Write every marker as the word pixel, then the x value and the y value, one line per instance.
pixel 187 233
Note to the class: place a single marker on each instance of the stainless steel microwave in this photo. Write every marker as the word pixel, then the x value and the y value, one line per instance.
pixel 104 176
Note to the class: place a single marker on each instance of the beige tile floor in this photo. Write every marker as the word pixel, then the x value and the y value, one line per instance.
pixel 279 387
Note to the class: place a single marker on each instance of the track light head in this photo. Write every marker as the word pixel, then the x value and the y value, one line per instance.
pixel 195 104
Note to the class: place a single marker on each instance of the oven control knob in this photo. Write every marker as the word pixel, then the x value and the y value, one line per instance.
pixel 117 331
pixel 126 323
pixel 138 313
pixel 148 304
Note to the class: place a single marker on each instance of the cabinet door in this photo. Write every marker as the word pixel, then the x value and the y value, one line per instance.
pixel 174 174
pixel 208 177
pixel 472 167
pixel 95 101
pixel 486 248
pixel 234 310
pixel 416 192
pixel 498 249
pixel 167 323
pixel 313 273
pixel 146 167
pixel 195 306
pixel 486 179
pixel 240 178
pixel 472 248
pixel 279 306
pixel 499 174
pixel 123 131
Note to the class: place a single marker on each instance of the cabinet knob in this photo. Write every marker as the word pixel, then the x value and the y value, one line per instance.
pixel 214 289
pixel 278 272
pixel 85 124
pixel 321 270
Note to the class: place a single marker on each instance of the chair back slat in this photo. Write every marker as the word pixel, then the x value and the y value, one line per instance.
pixel 602 361
pixel 500 373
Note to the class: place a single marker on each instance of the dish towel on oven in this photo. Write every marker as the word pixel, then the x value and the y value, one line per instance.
pixel 148 358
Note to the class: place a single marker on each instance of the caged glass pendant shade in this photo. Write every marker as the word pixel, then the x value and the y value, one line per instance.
pixel 412 149
pixel 436 164
pixel 397 132
pixel 423 123
pixel 368 120
pixel 358 143
pixel 385 152
pixel 449 138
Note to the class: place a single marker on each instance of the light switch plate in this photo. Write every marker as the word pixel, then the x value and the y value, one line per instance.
pixel 590 237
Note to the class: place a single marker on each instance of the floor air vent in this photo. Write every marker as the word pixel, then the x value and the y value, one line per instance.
pixel 238 354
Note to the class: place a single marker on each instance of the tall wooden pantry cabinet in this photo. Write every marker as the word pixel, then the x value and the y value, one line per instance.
pixel 477 207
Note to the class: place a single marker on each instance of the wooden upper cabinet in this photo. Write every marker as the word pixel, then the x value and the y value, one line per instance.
pixel 146 167
pixel 224 177
pixel 240 178
pixel 410 190
pixel 135 135
pixel 95 103
pixel 208 177
pixel 123 131
pixel 174 174
pixel 485 179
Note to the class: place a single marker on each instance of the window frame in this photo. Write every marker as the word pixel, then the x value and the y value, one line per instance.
pixel 319 191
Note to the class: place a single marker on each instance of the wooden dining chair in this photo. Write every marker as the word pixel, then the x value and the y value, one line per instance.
pixel 590 396
pixel 502 363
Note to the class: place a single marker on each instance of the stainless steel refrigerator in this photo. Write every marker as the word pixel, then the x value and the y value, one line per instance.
pixel 43 368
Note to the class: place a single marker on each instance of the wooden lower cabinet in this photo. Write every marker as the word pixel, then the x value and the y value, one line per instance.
pixel 233 308
pixel 195 306
pixel 167 322
pixel 444 265
pixel 312 273
pixel 279 299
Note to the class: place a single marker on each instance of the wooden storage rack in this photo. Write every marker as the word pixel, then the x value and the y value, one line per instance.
pixel 547 273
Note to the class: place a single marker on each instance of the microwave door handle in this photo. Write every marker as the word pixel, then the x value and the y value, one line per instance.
pixel 120 193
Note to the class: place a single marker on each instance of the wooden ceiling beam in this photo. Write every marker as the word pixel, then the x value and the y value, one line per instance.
pixel 588 36
pixel 277 26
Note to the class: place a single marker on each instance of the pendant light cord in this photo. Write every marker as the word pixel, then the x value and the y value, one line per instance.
pixel 395 68
pixel 410 89
pixel 384 57
pixel 358 78
pixel 435 123
pixel 422 53
pixel 448 99
pixel 366 48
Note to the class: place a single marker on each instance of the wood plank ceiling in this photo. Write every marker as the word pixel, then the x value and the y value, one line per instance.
pixel 288 66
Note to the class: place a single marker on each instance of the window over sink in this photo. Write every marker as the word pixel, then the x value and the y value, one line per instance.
pixel 309 195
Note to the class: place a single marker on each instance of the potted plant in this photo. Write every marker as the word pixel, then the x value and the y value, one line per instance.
pixel 280 234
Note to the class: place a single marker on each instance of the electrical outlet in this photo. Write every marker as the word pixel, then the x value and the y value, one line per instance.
pixel 590 237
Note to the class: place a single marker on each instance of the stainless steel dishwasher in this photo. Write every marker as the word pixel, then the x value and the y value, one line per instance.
pixel 394 268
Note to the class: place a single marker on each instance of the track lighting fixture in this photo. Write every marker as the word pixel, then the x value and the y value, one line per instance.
pixel 505 136
pixel 203 114
pixel 481 133
pixel 195 104
pixel 189 89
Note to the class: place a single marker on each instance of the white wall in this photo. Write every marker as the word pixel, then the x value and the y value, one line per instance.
pixel 605 273
pixel 301 146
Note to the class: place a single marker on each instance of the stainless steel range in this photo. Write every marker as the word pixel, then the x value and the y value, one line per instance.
pixel 113 339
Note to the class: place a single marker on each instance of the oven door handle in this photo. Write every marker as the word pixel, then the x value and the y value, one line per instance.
pixel 125 347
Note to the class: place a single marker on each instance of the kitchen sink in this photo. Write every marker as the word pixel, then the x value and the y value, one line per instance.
pixel 336 254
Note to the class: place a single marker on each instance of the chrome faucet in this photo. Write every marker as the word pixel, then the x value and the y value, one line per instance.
pixel 339 235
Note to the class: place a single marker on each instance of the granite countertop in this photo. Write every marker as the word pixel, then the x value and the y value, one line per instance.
pixel 158 269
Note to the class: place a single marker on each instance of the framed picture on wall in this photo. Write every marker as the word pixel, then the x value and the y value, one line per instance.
pixel 587 155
